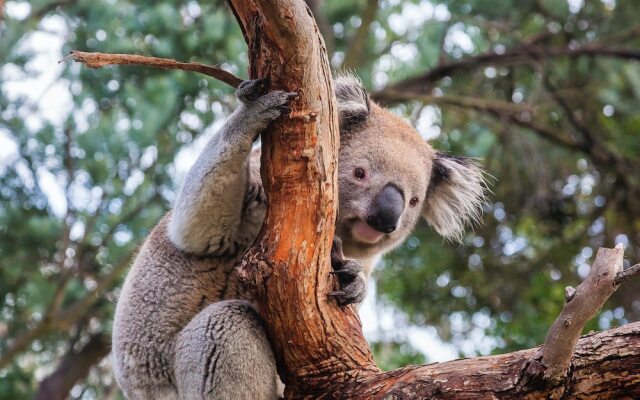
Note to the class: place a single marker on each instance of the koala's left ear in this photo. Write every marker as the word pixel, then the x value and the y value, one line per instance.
pixel 353 101
pixel 455 195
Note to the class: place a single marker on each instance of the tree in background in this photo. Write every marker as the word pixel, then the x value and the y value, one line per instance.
pixel 544 91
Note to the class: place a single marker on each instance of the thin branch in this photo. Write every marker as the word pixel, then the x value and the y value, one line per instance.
pixel 99 60
pixel 576 122
pixel 355 51
pixel 23 340
pixel 510 57
pixel 65 318
pixel 627 274
pixel 475 103
pixel 517 114
pixel 47 8
pixel 552 362
pixel 545 131
pixel 73 368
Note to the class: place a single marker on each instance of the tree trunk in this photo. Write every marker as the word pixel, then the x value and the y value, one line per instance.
pixel 320 349
pixel 317 343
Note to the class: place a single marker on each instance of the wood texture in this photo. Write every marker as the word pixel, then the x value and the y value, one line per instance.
pixel 318 345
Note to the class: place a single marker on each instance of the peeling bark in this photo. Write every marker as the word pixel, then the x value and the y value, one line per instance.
pixel 317 344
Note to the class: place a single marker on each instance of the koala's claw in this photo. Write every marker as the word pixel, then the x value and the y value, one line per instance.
pixel 251 90
pixel 349 274
pixel 352 285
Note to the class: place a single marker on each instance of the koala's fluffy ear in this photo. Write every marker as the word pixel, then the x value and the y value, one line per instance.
pixel 455 195
pixel 353 100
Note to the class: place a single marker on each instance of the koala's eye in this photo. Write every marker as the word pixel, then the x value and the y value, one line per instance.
pixel 359 173
pixel 413 201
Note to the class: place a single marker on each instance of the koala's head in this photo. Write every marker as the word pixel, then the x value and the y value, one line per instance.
pixel 389 176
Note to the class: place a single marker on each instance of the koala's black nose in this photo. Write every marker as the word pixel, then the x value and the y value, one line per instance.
pixel 386 210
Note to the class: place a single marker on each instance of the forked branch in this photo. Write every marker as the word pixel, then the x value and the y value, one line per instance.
pixel 552 362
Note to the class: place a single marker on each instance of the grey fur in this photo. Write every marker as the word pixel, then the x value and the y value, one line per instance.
pixel 353 100
pixel 178 333
pixel 455 196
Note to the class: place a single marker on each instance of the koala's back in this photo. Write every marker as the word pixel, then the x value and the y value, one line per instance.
pixel 164 290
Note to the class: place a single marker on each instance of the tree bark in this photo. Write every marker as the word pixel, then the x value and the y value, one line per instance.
pixel 605 366
pixel 317 344
pixel 320 349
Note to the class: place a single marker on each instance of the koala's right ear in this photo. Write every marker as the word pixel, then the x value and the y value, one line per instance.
pixel 455 196
pixel 353 101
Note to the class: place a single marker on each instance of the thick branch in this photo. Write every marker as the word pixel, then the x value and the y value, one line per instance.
pixel 604 366
pixel 99 60
pixel 316 343
pixel 73 368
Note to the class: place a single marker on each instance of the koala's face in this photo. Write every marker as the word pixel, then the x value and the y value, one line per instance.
pixel 388 177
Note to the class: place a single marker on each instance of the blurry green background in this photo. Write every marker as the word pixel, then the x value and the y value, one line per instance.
pixel 545 92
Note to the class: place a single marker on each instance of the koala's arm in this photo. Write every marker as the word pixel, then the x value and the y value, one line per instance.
pixel 208 215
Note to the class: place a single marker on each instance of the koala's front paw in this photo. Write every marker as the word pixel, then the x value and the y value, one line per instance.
pixel 352 284
pixel 263 105
pixel 350 277
pixel 250 90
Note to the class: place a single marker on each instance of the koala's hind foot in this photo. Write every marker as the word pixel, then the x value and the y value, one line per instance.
pixel 350 277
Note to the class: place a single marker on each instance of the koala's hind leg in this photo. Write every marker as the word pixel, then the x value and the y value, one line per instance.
pixel 223 353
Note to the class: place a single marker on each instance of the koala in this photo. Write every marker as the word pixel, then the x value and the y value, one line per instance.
pixel 185 329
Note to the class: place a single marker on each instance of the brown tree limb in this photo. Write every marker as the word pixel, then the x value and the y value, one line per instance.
pixel 353 54
pixel 581 305
pixel 475 103
pixel 516 56
pixel 627 274
pixel 99 60
pixel 73 368
pixel 316 343
pixel 65 318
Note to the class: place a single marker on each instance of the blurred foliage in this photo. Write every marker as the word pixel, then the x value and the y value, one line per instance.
pixel 90 159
